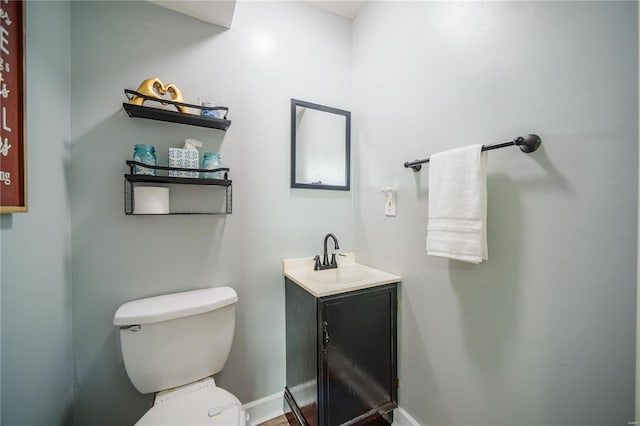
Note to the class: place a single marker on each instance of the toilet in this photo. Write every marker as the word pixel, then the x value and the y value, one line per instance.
pixel 172 345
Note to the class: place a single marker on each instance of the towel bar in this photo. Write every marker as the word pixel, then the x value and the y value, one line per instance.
pixel 527 144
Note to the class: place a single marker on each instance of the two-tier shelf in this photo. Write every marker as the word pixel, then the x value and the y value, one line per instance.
pixel 132 179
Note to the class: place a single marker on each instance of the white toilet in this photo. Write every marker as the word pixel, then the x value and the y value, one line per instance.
pixel 173 345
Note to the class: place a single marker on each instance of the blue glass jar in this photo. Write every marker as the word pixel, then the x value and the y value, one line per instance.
pixel 144 154
pixel 212 113
pixel 211 160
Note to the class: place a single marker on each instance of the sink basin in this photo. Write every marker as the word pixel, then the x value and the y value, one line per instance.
pixel 343 275
pixel 348 276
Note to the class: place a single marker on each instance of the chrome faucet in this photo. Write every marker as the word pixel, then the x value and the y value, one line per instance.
pixel 325 258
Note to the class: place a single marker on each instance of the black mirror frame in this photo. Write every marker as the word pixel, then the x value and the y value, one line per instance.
pixel 347 115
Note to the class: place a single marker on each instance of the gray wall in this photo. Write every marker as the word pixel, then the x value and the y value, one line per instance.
pixel 275 51
pixel 37 367
pixel 543 333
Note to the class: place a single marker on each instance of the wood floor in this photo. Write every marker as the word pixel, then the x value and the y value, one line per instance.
pixel 278 421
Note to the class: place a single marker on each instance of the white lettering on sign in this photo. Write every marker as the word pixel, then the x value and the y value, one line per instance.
pixel 5 15
pixel 4 66
pixel 5 46
pixel 4 40
pixel 4 119
pixel 5 177
pixel 4 147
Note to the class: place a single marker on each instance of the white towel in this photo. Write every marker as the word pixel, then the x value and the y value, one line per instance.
pixel 457 226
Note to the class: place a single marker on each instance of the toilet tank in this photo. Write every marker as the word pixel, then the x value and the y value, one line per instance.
pixel 175 339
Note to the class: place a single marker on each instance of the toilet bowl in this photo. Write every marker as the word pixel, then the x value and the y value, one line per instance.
pixel 172 345
pixel 200 403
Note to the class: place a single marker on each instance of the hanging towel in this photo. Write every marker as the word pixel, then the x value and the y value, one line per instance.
pixel 457 226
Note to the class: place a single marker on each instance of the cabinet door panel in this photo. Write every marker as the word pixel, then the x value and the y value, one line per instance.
pixel 357 354
pixel 301 350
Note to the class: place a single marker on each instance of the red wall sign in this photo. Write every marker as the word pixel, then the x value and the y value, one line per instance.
pixel 13 187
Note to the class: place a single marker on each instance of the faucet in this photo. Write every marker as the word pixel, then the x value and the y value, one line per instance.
pixel 325 258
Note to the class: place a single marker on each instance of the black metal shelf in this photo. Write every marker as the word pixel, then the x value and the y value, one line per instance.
pixel 160 114
pixel 132 179
pixel 177 180
pixel 178 214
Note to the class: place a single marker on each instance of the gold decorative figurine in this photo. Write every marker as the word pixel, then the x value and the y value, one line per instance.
pixel 151 87
pixel 154 88
pixel 176 96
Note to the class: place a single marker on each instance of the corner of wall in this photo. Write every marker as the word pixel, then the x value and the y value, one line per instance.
pixel 0 326
pixel 40 353
pixel 637 398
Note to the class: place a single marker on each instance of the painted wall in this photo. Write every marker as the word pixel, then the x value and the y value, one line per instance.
pixel 274 52
pixel 544 332
pixel 37 363
pixel 637 394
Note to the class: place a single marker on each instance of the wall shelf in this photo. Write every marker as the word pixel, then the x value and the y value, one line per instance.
pixel 171 116
pixel 178 180
pixel 132 179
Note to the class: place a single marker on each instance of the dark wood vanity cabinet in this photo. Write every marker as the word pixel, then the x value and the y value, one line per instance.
pixel 341 356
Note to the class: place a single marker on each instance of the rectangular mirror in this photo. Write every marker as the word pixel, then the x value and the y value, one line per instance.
pixel 320 147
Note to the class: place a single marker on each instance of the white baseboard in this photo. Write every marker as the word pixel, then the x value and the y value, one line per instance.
pixel 264 409
pixel 402 418
pixel 270 407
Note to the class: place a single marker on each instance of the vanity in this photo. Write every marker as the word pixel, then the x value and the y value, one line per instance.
pixel 341 343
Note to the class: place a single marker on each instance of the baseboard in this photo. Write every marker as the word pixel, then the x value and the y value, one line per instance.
pixel 402 418
pixel 270 407
pixel 264 409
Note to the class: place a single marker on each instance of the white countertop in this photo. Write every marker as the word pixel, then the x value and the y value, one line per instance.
pixel 348 276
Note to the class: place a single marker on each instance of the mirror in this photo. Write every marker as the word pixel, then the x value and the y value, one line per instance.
pixel 320 147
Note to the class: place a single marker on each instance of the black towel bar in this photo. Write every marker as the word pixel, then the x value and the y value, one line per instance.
pixel 527 144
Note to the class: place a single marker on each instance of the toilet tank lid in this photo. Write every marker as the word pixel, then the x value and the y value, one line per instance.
pixel 176 305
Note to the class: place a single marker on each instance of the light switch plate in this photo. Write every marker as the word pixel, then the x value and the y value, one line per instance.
pixel 390 203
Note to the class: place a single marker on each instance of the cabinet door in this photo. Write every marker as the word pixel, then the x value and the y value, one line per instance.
pixel 358 349
pixel 302 352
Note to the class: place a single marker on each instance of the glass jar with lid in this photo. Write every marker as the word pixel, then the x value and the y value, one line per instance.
pixel 211 160
pixel 144 154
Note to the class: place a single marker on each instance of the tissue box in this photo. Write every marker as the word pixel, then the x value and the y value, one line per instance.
pixel 184 158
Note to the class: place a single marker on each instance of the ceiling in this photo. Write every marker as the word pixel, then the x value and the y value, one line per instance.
pixel 346 8
pixel 220 12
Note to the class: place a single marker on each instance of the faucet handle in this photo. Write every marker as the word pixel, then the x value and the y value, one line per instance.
pixel 333 259
pixel 317 265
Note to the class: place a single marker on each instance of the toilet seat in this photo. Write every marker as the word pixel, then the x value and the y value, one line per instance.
pixel 203 404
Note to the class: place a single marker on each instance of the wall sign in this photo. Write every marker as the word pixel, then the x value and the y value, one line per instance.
pixel 13 186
